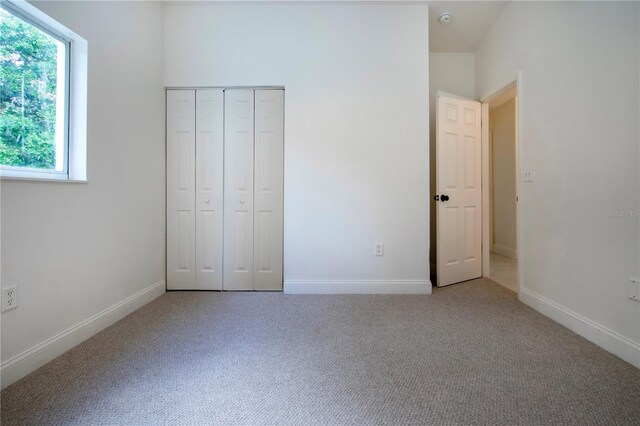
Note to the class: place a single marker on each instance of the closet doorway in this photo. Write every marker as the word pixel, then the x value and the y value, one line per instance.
pixel 225 188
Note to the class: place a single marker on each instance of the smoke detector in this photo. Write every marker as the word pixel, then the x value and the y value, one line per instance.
pixel 446 18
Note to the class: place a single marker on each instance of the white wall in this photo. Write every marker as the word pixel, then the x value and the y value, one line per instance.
pixel 453 73
pixel 356 126
pixel 579 121
pixel 78 249
pixel 502 122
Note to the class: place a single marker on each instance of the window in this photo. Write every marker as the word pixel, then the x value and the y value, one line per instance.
pixel 39 135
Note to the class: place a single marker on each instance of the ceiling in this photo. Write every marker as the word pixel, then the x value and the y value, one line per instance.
pixel 471 22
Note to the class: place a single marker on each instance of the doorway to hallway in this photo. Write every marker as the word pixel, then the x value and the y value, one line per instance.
pixel 503 187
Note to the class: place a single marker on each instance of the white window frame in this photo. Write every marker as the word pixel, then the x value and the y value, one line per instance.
pixel 74 155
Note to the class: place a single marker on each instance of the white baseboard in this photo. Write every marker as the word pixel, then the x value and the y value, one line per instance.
pixel 28 361
pixel 607 339
pixel 357 287
pixel 505 251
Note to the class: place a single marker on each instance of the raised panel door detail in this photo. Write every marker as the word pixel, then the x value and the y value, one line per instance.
pixel 185 161
pixel 264 241
pixel 184 114
pixel 458 166
pixel 451 113
pixel 470 166
pixel 243 146
pixel 470 117
pixel 266 109
pixel 265 141
pixel 450 219
pixel 180 133
pixel 238 190
pixel 451 160
pixel 209 236
pixel 209 188
pixel 243 108
pixel 241 241
pixel 206 160
pixel 269 184
pixel 207 107
pixel 184 240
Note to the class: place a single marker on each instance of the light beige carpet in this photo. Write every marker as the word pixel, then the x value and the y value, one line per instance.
pixel 467 354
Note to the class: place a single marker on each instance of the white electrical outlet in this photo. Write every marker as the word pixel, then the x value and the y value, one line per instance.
pixel 633 289
pixel 527 175
pixel 9 298
pixel 379 249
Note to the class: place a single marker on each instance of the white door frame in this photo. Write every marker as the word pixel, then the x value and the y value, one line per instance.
pixel 493 95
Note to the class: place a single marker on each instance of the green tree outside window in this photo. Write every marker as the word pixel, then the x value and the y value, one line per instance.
pixel 28 67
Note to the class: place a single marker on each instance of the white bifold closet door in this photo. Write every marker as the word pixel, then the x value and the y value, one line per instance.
pixel 253 197
pixel 195 189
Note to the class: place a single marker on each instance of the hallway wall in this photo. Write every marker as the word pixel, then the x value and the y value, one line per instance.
pixel 502 122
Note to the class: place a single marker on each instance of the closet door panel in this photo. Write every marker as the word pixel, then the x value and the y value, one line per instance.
pixel 209 187
pixel 238 190
pixel 269 182
pixel 181 190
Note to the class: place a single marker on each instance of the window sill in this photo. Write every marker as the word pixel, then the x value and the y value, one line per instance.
pixel 6 175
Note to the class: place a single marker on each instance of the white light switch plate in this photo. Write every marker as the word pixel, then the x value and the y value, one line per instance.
pixel 633 289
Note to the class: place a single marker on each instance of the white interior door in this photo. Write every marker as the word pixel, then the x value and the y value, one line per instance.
pixel 458 189
pixel 181 180
pixel 269 181
pixel 238 189
pixel 209 188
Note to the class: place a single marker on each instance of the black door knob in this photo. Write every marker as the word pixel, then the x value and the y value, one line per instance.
pixel 444 197
pixel 436 197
